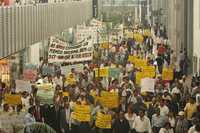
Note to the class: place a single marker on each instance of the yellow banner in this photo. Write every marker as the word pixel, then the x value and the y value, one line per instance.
pixel 140 63
pixel 81 113
pixel 138 37
pixel 109 99
pixel 103 121
pixel 13 99
pixel 149 71
pixel 132 58
pixel 167 74
pixel 139 76
pixel 102 72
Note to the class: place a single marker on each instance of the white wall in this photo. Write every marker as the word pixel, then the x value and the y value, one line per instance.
pixel 196 32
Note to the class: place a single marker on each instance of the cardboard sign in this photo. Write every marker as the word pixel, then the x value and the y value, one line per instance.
pixel 81 113
pixel 22 85
pixel 167 74
pixel 30 72
pixel 13 99
pixel 147 85
pixel 109 99
pixel 103 121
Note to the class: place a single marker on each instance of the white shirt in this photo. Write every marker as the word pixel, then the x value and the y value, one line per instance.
pixel 29 119
pixel 130 119
pixel 142 125
pixel 25 102
pixel 164 110
pixel 192 130
pixel 175 90
pixel 163 130
pixel 68 113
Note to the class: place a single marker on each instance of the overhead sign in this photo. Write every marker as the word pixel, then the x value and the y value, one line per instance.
pixel 60 51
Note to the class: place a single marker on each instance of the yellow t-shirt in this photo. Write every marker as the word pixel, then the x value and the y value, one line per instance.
pixel 190 109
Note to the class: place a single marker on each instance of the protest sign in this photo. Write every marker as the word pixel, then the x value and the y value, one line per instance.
pixel 13 99
pixel 60 51
pixel 65 70
pixel 139 76
pixel 140 63
pixel 103 121
pixel 109 99
pixel 149 71
pixel 138 37
pixel 22 85
pixel 132 58
pixel 167 74
pixel 81 113
pixel 147 85
pixel 102 72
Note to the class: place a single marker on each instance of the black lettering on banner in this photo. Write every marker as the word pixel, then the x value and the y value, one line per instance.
pixel 67 57
pixel 60 47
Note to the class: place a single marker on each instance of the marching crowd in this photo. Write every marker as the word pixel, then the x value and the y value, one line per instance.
pixel 172 108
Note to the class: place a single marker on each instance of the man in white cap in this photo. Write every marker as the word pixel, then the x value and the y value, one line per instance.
pixel 182 123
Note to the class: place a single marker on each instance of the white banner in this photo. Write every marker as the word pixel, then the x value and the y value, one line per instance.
pixel 147 85
pixel 60 51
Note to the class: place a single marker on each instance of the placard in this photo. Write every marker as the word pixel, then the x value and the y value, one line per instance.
pixel 103 121
pixel 139 63
pixel 147 85
pixel 13 99
pixel 81 113
pixel 139 76
pixel 22 85
pixel 149 71
pixel 109 99
pixel 102 72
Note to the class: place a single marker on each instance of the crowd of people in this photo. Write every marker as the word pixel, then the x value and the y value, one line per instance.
pixel 172 108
